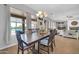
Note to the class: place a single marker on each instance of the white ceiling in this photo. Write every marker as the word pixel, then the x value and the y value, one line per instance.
pixel 57 10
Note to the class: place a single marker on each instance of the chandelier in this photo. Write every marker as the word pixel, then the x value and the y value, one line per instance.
pixel 41 14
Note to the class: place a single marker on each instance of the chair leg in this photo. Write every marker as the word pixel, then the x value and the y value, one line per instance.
pixel 18 51
pixel 28 51
pixel 22 51
pixel 51 47
pixel 54 43
pixel 48 50
pixel 33 48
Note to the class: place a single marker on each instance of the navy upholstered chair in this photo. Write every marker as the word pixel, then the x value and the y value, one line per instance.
pixel 48 42
pixel 22 45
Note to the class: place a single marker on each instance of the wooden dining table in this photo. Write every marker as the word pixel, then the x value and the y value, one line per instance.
pixel 32 38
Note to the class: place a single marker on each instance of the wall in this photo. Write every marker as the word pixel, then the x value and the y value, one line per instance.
pixel 2 25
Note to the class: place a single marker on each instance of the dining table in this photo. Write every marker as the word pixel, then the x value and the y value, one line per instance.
pixel 32 38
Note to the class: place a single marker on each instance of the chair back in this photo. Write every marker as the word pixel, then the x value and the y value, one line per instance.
pixel 50 39
pixel 55 32
pixel 51 36
pixel 18 36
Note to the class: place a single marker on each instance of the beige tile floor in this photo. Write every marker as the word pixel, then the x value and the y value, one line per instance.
pixel 63 46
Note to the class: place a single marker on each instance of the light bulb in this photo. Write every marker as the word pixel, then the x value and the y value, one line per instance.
pixel 39 12
pixel 37 15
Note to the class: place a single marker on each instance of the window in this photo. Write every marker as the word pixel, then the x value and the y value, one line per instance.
pixel 15 24
pixel 33 24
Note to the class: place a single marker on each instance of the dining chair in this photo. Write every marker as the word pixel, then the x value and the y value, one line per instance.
pixel 54 31
pixel 22 45
pixel 47 42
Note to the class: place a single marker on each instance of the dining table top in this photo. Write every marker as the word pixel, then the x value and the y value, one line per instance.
pixel 31 38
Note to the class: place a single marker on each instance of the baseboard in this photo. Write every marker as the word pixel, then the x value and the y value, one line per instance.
pixel 8 46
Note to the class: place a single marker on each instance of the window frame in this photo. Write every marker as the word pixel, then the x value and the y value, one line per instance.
pixel 18 16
